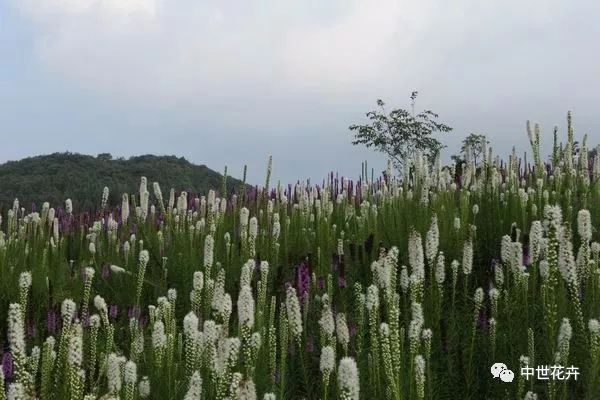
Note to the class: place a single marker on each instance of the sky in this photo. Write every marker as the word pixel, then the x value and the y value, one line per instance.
pixel 232 82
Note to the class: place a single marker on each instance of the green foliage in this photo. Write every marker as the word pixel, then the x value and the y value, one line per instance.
pixel 400 133
pixel 473 147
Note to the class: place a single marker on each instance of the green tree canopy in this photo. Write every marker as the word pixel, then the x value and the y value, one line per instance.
pixel 400 133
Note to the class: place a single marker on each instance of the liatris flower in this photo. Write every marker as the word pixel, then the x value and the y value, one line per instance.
pixel 246 273
pixel 544 268
pixel 566 261
pixel 226 359
pixel 25 280
pixel 492 329
pixel 113 374
pixel 326 322
pixel 326 362
pixel 7 366
pixel 303 280
pixel 415 327
pixel 457 223
pixel 209 244
pixel 159 342
pixel 293 314
pixel 194 391
pixel 404 279
pixel 432 240
pixel 595 246
pixel 67 310
pixel 478 298
pixel 105 274
pixel 101 306
pixel 372 301
pixel 554 215
pixel 584 225
pixel 494 295
pixel 276 227
pixel 564 338
pixel 535 240
pixel 144 387
pixel 348 382
pixel 88 273
pixel 130 379
pixel 2 386
pixel 172 296
pixel 506 249
pixel 594 328
pixel 427 335
pixel 198 281
pixel 144 257
pixel 16 391
pixel 75 361
pixel 524 362
pixel 381 274
pixel 190 331
pixel 51 321
pixel 467 263
pixel 125 208
pixel 269 396
pixel 531 345
pixel 415 255
pixel 104 200
pixel 341 329
pixel 420 376
pixel 386 355
pixel 75 356
pixel 246 307
pixel 24 285
pixel 498 273
pixel 246 390
pixel 530 396
pixel 440 270
pixel 68 206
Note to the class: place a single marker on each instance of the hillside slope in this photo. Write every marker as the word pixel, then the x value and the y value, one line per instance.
pixel 59 176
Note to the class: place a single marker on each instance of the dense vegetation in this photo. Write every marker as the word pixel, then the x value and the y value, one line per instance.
pixel 56 177
pixel 404 287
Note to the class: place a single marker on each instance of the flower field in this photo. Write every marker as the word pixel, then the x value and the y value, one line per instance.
pixel 391 287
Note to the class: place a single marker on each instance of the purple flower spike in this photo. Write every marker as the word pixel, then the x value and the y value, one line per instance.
pixel 51 321
pixel 31 330
pixel 353 330
pixel 303 280
pixel 310 346
pixel 105 271
pixel 134 312
pixel 321 283
pixel 7 366
pixel 114 311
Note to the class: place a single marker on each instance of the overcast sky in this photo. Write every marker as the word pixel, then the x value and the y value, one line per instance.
pixel 230 82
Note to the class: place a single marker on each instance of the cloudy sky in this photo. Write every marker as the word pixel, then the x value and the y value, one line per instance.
pixel 230 82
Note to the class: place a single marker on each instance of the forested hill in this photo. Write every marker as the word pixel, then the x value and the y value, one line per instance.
pixel 59 176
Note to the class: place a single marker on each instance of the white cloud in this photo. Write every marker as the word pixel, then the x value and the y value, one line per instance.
pixel 174 50
pixel 355 49
pixel 168 52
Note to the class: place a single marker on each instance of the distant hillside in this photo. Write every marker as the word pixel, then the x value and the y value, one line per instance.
pixel 59 176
